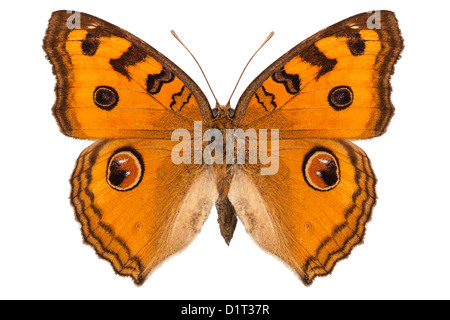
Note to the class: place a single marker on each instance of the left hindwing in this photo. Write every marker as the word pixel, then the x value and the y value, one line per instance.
pixel 135 206
pixel 110 84
pixel 333 85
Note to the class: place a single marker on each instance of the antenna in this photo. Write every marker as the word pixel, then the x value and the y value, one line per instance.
pixel 178 38
pixel 265 41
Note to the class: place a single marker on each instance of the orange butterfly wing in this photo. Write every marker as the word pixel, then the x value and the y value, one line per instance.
pixel 335 84
pixel 110 84
pixel 135 206
pixel 309 220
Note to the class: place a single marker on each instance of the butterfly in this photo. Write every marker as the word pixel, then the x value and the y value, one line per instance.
pixel 137 207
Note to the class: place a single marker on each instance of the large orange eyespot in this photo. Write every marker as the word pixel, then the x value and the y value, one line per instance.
pixel 321 169
pixel 125 169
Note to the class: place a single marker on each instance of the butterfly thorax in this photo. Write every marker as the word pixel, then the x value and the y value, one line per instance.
pixel 222 121
pixel 222 117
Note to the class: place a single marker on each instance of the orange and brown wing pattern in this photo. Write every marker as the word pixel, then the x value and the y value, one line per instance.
pixel 333 85
pixel 314 210
pixel 137 208
pixel 110 84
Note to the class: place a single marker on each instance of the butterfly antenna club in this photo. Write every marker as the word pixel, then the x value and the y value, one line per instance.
pixel 239 79
pixel 204 75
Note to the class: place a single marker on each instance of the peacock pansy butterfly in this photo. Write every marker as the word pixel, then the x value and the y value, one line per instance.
pixel 137 206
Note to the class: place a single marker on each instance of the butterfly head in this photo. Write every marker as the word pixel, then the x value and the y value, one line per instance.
pixel 222 111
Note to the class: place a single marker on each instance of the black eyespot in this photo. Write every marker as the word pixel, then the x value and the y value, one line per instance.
pixel 89 46
pixel 357 46
pixel 340 97
pixel 321 169
pixel 125 169
pixel 105 97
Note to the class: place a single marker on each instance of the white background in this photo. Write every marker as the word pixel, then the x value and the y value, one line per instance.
pixel 405 254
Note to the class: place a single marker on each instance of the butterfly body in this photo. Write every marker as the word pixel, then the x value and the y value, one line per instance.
pixel 279 162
